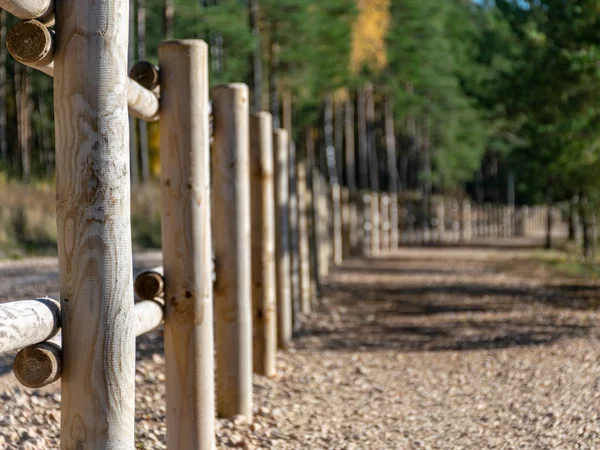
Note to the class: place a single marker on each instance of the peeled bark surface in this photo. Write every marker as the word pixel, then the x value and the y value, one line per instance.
pixel 262 201
pixel 94 226
pixel 187 246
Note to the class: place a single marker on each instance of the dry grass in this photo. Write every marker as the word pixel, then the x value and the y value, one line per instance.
pixel 28 219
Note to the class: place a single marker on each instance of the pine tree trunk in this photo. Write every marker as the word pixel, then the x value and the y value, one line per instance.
pixel 168 19
pixel 255 78
pixel 3 90
pixel 274 83
pixel 141 56
pixel 133 131
pixel 573 220
pixel 373 169
pixel 24 120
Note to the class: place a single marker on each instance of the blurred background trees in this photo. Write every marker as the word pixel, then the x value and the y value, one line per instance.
pixel 498 100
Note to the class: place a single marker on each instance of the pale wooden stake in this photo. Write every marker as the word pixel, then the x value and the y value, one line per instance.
pixel 375 224
pixel 262 215
pixel 322 226
pixel 305 281
pixel 466 232
pixel 231 234
pixel 94 226
pixel 27 322
pixel 282 246
pixel 346 240
pixel 441 219
pixel 385 238
pixel 39 365
pixel 187 249
pixel 42 10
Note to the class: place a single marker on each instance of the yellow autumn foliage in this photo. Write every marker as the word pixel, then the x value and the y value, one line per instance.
pixel 368 35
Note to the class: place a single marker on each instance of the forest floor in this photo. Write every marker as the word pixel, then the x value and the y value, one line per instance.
pixel 477 347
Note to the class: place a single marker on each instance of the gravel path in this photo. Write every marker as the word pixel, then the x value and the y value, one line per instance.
pixel 441 348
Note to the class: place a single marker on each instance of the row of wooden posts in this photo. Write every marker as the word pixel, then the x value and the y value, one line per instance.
pixel 234 239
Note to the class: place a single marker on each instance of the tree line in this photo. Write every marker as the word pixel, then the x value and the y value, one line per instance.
pixel 496 99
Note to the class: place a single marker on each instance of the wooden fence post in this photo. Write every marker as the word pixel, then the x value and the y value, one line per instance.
pixel 282 244
pixel 306 297
pixel 231 234
pixel 94 229
pixel 375 224
pixel 186 240
pixel 466 231
pixel 384 200
pixel 262 201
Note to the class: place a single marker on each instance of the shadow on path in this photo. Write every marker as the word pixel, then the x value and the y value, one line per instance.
pixel 443 305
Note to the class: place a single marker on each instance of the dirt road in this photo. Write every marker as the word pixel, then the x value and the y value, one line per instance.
pixel 442 348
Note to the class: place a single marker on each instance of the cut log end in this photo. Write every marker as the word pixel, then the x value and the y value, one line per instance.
pixel 38 365
pixel 30 42
pixel 146 74
pixel 149 285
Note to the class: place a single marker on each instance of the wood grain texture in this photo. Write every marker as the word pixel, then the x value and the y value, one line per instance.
pixel 282 244
pixel 264 294
pixel 94 226
pixel 43 10
pixel 306 298
pixel 187 246
pixel 31 43
pixel 150 284
pixel 231 234
pixel 40 364
pixel 27 322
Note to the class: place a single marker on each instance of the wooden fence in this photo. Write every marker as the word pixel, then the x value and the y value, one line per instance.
pixel 225 226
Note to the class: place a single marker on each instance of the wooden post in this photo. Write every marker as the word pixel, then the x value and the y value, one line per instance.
pixel 441 219
pixel 94 227
pixel 394 176
pixel 384 200
pixel 186 240
pixel 262 201
pixel 375 224
pixel 366 229
pixel 351 174
pixel 293 235
pixel 466 232
pixel 305 278
pixel 27 322
pixel 322 226
pixel 231 234
pixel 42 10
pixel 282 246
pixel 346 238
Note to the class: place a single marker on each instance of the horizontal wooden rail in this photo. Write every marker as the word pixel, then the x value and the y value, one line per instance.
pixel 28 322
pixel 39 365
pixel 150 284
pixel 32 44
pixel 42 10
